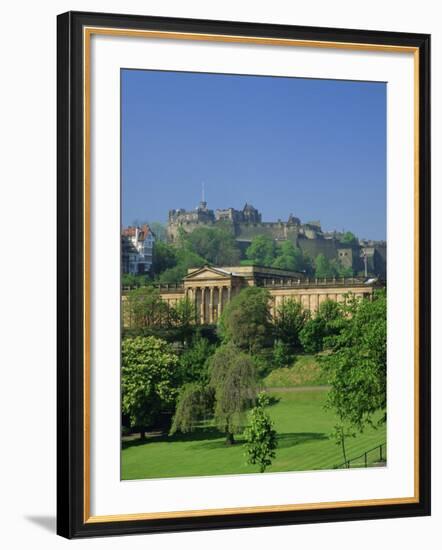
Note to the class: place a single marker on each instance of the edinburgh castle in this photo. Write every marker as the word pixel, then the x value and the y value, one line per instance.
pixel 245 224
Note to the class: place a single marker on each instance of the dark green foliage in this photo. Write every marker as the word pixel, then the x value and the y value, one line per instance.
pixel 149 379
pixel 282 356
pixel 312 335
pixel 145 308
pixel 323 267
pixel 195 359
pixel 262 250
pixel 245 320
pixel 216 245
pixel 289 257
pixel 195 403
pixel 183 316
pixel 260 435
pixel 289 321
pixel 132 281
pixel 234 380
pixel 164 257
pixel 349 238
pixel 357 365
pixel 319 332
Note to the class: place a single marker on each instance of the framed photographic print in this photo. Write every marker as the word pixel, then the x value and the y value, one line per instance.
pixel 243 274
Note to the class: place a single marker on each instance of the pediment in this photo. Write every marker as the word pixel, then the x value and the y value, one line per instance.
pixel 207 272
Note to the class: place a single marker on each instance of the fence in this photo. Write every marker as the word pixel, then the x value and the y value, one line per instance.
pixel 370 458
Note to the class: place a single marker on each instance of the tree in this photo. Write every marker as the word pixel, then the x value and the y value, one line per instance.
pixel 195 403
pixel 289 320
pixel 245 320
pixel 164 257
pixel 311 335
pixel 216 245
pixel 281 355
pixel 183 314
pixel 262 250
pixel 349 238
pixel 323 267
pixel 319 331
pixel 234 380
pixel 149 379
pixel 289 257
pixel 145 308
pixel 195 359
pixel 357 366
pixel 260 435
pixel 185 259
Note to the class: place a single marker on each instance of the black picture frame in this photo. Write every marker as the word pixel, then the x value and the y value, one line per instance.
pixel 71 498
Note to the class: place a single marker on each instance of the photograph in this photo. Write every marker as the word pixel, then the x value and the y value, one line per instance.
pixel 253 274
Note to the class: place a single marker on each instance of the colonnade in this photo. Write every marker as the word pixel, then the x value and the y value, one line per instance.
pixel 209 301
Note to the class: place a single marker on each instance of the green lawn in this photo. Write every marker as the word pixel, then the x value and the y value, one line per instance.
pixel 304 371
pixel 303 428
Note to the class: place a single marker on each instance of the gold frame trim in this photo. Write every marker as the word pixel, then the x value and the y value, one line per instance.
pixel 87 34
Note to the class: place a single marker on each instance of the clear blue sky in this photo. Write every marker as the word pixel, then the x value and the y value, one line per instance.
pixel 314 148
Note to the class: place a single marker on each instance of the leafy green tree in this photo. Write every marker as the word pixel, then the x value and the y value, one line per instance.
pixel 195 403
pixel 323 267
pixel 145 308
pixel 357 366
pixel 234 380
pixel 186 258
pixel 216 245
pixel 183 315
pixel 282 356
pixel 349 238
pixel 262 250
pixel 311 335
pixel 289 257
pixel 129 280
pixel 318 332
pixel 289 320
pixel 164 257
pixel 245 320
pixel 260 435
pixel 149 379
pixel 195 359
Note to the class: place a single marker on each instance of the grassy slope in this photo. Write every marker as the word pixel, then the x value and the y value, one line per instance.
pixel 305 371
pixel 303 428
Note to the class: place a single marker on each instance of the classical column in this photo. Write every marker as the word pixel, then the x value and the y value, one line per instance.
pixel 203 304
pixel 211 305
pixel 220 301
pixel 229 293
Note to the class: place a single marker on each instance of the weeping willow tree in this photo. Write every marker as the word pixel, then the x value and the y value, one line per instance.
pixel 195 403
pixel 232 390
pixel 234 380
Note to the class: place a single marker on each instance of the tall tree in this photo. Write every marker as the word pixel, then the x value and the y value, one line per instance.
pixel 216 245
pixel 195 403
pixel 164 257
pixel 245 320
pixel 323 267
pixel 234 380
pixel 149 379
pixel 349 238
pixel 289 320
pixel 144 308
pixel 357 366
pixel 262 250
pixel 289 257
pixel 260 435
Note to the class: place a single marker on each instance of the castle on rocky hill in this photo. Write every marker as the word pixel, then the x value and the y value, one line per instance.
pixel 247 223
